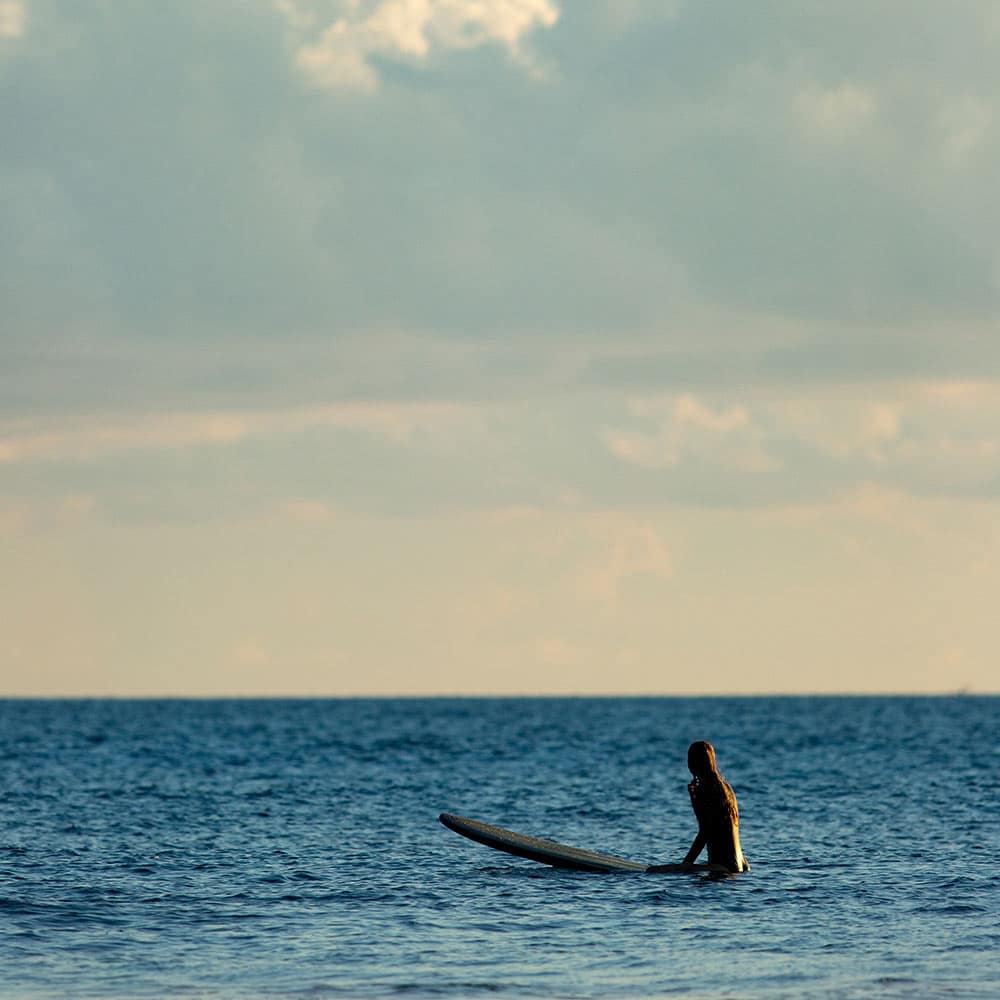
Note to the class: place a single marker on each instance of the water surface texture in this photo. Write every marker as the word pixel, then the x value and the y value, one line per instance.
pixel 277 849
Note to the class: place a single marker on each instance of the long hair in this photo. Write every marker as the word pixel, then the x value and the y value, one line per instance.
pixel 712 797
pixel 701 758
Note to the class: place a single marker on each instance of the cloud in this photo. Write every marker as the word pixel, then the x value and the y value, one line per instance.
pixel 883 422
pixel 776 446
pixel 85 439
pixel 688 428
pixel 250 653
pixel 343 53
pixel 625 15
pixel 13 18
pixel 673 167
pixel 732 259
pixel 51 513
pixel 837 113
pixel 309 511
pixel 961 395
pixel 966 124
pixel 556 652
pixel 628 549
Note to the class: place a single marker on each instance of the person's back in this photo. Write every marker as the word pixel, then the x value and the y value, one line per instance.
pixel 715 807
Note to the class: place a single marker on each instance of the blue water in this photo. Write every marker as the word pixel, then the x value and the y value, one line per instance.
pixel 230 849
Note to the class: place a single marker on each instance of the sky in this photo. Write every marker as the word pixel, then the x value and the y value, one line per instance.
pixel 499 347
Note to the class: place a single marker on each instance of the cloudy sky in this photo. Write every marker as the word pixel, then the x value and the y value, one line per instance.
pixel 514 346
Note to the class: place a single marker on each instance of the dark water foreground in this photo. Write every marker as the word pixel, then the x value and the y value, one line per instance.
pixel 230 849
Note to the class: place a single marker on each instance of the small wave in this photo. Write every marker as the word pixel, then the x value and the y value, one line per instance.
pixel 951 909
pixel 461 987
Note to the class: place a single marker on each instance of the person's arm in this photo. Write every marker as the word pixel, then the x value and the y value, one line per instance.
pixel 697 847
pixel 687 865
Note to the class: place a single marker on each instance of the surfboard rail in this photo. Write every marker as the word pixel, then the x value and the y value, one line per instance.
pixel 546 852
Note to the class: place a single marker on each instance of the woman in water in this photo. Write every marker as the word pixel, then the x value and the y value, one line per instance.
pixel 718 817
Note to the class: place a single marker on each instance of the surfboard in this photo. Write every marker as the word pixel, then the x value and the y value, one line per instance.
pixel 547 852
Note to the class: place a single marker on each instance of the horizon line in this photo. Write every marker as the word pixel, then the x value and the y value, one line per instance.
pixel 964 692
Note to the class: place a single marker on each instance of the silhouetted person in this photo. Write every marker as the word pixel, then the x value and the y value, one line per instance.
pixel 718 817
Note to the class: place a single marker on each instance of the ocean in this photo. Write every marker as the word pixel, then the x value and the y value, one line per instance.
pixel 291 848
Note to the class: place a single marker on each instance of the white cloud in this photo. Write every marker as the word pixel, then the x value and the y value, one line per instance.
pixel 843 430
pixel 833 114
pixel 623 15
pixel 879 504
pixel 337 61
pixel 689 410
pixel 961 393
pixel 965 124
pixel 309 511
pixel 251 653
pixel 44 516
pixel 871 505
pixel 635 449
pixel 13 18
pixel 688 427
pixel 924 433
pixel 927 438
pixel 556 652
pixel 881 426
pixel 921 425
pixel 84 439
pixel 340 57
pixel 628 549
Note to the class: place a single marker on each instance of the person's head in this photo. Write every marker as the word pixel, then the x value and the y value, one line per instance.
pixel 701 758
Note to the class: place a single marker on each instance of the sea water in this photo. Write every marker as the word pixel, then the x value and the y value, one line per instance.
pixel 275 849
